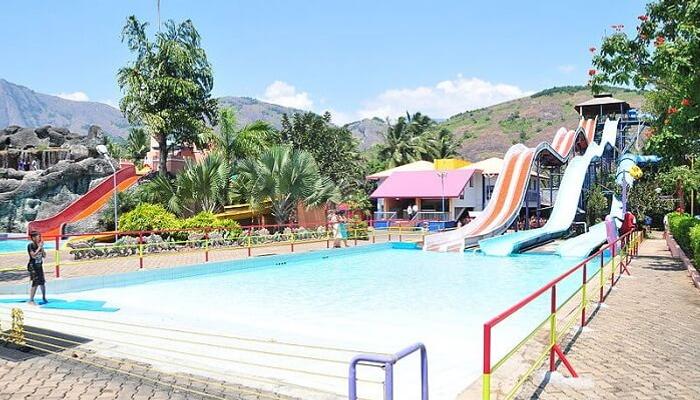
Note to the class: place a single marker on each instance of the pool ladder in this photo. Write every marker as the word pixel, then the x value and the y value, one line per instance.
pixel 387 363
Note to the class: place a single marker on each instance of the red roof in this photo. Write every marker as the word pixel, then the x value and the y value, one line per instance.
pixel 424 184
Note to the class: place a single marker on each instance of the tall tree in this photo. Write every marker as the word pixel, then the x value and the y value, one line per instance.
pixel 441 143
pixel 167 88
pixel 663 56
pixel 334 149
pixel 287 177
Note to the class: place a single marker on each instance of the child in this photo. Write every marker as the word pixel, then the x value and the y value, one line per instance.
pixel 35 248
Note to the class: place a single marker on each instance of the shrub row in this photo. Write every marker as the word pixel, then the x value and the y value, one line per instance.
pixel 686 230
pixel 154 217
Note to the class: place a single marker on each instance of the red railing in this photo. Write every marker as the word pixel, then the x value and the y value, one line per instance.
pixel 623 249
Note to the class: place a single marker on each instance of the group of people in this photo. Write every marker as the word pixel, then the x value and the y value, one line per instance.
pixel 339 224
pixel 533 223
pixel 26 165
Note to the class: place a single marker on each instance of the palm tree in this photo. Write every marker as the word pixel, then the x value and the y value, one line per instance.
pixel 235 144
pixel 287 177
pixel 404 141
pixel 201 186
pixel 137 145
pixel 441 143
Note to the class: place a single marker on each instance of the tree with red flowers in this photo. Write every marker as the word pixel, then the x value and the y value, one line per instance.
pixel 663 58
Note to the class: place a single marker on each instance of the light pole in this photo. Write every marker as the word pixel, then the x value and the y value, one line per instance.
pixel 442 175
pixel 102 149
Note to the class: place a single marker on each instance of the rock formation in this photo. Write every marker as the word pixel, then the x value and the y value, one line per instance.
pixel 42 170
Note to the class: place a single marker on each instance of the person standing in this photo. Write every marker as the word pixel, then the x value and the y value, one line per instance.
pixel 35 266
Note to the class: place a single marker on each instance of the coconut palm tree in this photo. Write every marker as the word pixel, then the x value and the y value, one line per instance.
pixel 404 141
pixel 440 143
pixel 285 176
pixel 234 144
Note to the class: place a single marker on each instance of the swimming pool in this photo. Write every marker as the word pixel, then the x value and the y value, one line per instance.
pixel 374 297
pixel 19 245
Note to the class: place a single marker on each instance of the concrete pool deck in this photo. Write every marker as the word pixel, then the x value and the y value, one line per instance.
pixel 643 345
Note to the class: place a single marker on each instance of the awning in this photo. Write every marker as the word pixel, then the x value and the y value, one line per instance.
pixel 424 184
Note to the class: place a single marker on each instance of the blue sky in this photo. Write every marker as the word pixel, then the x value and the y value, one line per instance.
pixel 355 58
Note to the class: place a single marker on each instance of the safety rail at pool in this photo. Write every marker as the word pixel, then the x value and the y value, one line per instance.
pixel 84 248
pixel 618 256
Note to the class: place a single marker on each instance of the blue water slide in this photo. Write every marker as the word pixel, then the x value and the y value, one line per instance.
pixel 583 245
pixel 565 207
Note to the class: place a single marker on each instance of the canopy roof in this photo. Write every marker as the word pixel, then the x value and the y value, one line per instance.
pixel 604 103
pixel 489 166
pixel 424 184
pixel 414 166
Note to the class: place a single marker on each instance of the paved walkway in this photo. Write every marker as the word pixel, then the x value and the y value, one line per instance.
pixel 642 345
pixel 50 377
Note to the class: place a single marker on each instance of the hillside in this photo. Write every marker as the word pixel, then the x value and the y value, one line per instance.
pixel 22 106
pixel 249 110
pixel 529 120
pixel 368 131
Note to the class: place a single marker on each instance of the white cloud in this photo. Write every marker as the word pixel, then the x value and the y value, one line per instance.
pixel 284 94
pixel 566 69
pixel 443 100
pixel 75 96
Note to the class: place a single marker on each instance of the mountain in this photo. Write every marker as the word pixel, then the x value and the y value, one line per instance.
pixel 249 110
pixel 490 131
pixel 368 131
pixel 24 107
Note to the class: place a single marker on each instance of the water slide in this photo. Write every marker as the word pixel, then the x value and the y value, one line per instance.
pixel 87 204
pixel 583 245
pixel 510 189
pixel 565 207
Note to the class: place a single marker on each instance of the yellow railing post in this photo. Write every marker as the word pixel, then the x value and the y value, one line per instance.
pixel 486 387
pixel 17 330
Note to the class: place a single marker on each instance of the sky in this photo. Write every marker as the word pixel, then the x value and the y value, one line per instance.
pixel 356 59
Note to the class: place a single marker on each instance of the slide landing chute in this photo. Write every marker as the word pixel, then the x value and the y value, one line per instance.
pixel 510 189
pixel 565 207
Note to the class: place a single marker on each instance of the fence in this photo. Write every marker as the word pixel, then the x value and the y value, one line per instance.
pixel 618 256
pixel 149 249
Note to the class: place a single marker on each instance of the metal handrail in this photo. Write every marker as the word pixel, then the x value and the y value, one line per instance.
pixel 387 362
pixel 623 247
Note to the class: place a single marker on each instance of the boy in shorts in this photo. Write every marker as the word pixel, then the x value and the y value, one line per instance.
pixel 35 266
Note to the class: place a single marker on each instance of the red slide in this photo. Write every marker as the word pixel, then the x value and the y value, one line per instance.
pixel 87 204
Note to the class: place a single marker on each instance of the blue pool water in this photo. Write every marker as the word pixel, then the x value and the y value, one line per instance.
pixel 19 245
pixel 381 299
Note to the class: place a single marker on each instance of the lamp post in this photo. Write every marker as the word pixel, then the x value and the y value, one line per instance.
pixel 102 149
pixel 442 175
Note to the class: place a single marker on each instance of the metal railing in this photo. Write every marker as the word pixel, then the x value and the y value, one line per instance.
pixel 387 363
pixel 618 256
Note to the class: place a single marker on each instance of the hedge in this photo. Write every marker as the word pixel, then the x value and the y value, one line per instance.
pixel 686 231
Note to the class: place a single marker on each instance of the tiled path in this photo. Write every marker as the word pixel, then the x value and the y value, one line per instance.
pixel 643 345
pixel 50 377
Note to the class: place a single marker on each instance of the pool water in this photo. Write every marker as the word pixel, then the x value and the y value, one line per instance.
pixel 380 299
pixel 19 245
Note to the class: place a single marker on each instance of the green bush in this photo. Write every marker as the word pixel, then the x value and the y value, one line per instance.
pixel 148 217
pixel 357 229
pixel 680 225
pixel 695 244
pixel 207 219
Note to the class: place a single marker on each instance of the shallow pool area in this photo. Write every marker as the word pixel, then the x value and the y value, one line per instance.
pixel 19 245
pixel 374 298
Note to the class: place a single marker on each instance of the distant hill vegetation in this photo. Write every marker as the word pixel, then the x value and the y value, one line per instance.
pixel 530 120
